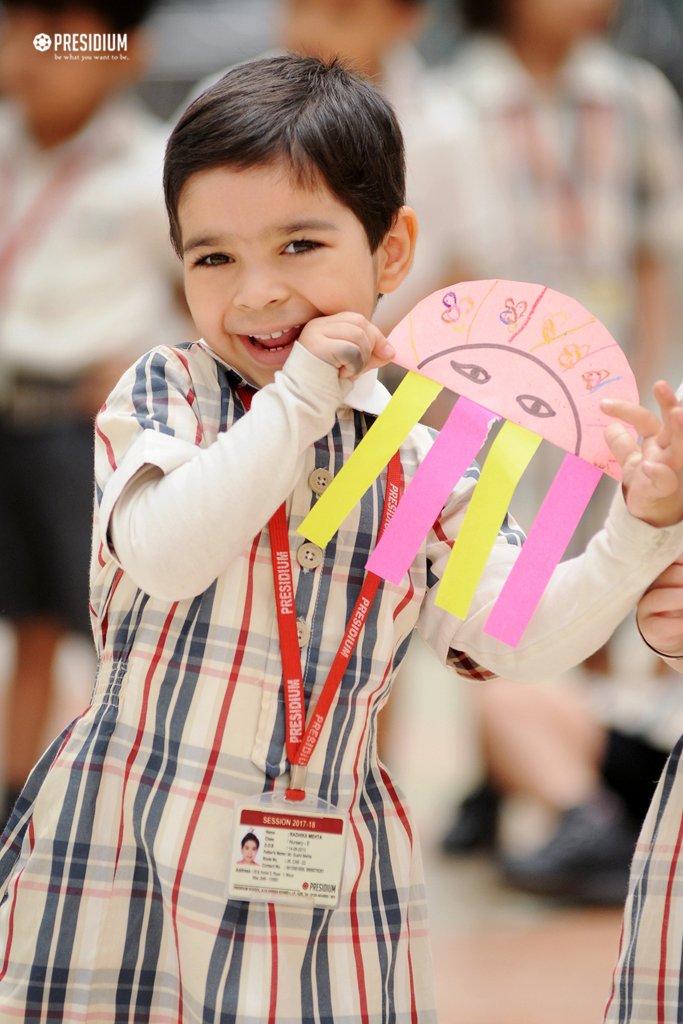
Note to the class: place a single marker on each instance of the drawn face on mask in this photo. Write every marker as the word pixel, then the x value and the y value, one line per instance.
pixel 527 353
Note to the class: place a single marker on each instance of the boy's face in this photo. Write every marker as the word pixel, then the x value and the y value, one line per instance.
pixel 562 22
pixel 263 255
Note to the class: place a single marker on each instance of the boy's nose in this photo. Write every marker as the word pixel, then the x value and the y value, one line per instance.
pixel 258 289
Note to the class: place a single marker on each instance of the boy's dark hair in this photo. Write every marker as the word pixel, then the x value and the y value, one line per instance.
pixel 250 838
pixel 327 123
pixel 119 15
pixel 483 15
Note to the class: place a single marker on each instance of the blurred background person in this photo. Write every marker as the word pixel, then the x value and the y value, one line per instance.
pixel 586 148
pixel 591 770
pixel 445 166
pixel 87 282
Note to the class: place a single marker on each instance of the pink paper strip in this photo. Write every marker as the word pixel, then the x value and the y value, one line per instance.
pixel 458 443
pixel 550 533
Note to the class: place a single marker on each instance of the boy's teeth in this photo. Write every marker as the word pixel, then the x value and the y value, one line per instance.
pixel 275 334
pixel 268 337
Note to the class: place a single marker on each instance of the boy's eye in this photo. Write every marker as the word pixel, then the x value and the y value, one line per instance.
pixel 213 259
pixel 299 245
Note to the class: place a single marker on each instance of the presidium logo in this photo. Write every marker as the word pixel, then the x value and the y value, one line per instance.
pixel 42 42
pixel 83 45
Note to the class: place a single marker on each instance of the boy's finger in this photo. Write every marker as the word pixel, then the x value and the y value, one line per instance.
pixel 667 403
pixel 661 600
pixel 378 360
pixel 645 422
pixel 351 357
pixel 665 621
pixel 621 442
pixel 676 433
pixel 382 350
pixel 671 577
pixel 663 633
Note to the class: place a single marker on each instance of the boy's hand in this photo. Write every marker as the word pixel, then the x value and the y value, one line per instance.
pixel 347 341
pixel 660 612
pixel 652 468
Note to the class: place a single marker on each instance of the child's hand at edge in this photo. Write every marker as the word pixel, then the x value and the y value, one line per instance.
pixel 660 612
pixel 652 469
pixel 347 341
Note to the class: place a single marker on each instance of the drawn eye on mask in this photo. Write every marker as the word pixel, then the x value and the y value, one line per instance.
pixel 531 404
pixel 517 384
pixel 507 369
pixel 477 374
pixel 535 406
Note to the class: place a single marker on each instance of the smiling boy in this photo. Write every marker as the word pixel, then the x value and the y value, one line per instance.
pixel 265 260
pixel 284 185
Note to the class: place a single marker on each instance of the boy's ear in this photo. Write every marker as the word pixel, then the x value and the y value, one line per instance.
pixel 396 250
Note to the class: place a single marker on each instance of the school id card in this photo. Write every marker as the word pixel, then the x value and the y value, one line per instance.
pixel 287 852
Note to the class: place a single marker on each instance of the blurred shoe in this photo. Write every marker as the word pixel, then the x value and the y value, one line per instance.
pixel 586 861
pixel 476 823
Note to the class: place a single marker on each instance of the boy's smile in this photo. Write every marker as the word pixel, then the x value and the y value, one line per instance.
pixel 264 255
pixel 266 348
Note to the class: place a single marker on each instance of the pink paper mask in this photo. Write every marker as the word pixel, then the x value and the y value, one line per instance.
pixel 513 351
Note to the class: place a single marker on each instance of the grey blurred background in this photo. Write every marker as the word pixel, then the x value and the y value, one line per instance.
pixel 193 39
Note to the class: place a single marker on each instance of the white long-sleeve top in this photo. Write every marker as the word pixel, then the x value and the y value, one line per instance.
pixel 182 512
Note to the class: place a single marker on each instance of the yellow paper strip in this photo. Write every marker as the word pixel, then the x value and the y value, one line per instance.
pixel 411 399
pixel 510 454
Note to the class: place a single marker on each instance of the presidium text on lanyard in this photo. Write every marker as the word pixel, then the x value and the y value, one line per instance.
pixel 302 738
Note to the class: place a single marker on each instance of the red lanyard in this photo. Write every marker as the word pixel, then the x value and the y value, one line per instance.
pixel 302 738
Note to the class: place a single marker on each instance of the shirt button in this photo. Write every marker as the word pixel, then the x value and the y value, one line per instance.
pixel 319 480
pixel 303 632
pixel 309 556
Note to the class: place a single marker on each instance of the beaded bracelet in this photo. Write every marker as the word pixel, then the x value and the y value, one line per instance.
pixel 671 657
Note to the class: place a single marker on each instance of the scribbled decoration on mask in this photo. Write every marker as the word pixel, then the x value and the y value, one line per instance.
pixel 513 352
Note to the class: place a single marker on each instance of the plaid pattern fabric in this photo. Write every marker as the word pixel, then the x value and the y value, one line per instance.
pixel 113 868
pixel 467 668
pixel 647 979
